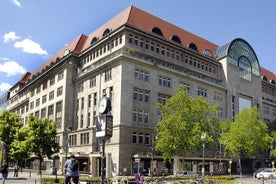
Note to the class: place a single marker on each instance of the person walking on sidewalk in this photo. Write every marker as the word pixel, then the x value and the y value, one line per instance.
pixel 16 170
pixel 4 171
pixel 71 170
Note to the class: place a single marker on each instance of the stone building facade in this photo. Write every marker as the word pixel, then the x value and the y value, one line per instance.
pixel 137 63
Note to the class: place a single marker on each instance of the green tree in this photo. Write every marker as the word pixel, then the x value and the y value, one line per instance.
pixel 20 146
pixel 9 125
pixel 184 119
pixel 272 152
pixel 246 136
pixel 38 137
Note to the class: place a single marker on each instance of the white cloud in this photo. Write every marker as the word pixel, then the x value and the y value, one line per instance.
pixel 12 68
pixel 30 46
pixel 16 2
pixel 4 86
pixel 11 36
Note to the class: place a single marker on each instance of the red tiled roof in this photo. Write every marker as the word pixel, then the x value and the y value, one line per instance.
pixel 268 74
pixel 25 77
pixel 75 46
pixel 142 20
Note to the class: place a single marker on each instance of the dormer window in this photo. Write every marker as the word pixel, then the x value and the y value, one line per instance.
pixel 156 30
pixel 193 46
pixel 94 40
pixel 176 39
pixel 272 81
pixel 106 32
pixel 264 78
pixel 207 52
pixel 67 51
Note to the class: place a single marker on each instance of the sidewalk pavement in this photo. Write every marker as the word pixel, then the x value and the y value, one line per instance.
pixel 31 176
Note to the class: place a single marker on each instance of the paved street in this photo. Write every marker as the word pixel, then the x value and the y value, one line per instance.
pixel 248 179
pixel 30 177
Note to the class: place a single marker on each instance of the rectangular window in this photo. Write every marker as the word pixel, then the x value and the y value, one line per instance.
pixel 43 113
pixel 52 81
pixel 31 105
pixel 88 119
pixel 37 102
pixel 51 112
pixel 51 95
pixel 81 121
pixel 32 93
pixel 95 99
pixel 107 75
pixel 60 75
pixel 202 92
pixel 59 91
pixel 141 138
pixel 134 137
pixel 44 99
pixel 58 114
pixel 164 81
pixel 38 90
pixel 44 86
pixel 92 82
pixel 82 103
pixel 89 101
pixel 134 116
pixel 141 75
pixel 147 139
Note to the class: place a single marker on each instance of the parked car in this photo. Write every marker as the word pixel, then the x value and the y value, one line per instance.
pixel 267 173
pixel 258 171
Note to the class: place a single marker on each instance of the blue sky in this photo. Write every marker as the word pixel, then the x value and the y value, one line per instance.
pixel 32 31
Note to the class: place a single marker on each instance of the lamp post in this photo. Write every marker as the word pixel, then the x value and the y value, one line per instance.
pixel 66 146
pixel 230 167
pixel 203 139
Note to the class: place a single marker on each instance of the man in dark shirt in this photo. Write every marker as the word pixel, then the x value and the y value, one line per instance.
pixel 4 171
pixel 72 173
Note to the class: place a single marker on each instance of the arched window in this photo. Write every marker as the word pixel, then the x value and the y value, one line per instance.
pixel 272 81
pixel 156 30
pixel 264 78
pixel 94 40
pixel 106 32
pixel 236 49
pixel 207 52
pixel 193 46
pixel 67 51
pixel 175 38
pixel 244 68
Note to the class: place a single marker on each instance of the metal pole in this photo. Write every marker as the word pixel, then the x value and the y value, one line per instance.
pixel 66 151
pixel 203 161
pixel 102 162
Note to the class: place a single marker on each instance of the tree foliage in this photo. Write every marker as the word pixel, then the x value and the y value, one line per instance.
pixel 38 137
pixel 184 119
pixel 246 136
pixel 9 126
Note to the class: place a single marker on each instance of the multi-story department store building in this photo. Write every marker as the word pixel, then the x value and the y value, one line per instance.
pixel 137 60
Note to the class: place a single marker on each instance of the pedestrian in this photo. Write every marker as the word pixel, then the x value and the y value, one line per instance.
pixel 138 179
pixel 4 171
pixel 16 170
pixel 71 170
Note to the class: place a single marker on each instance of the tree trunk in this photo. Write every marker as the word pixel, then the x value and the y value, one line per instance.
pixel 40 163
pixel 240 165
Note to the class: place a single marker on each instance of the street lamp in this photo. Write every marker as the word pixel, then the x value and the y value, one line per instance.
pixel 203 139
pixel 230 167
pixel 69 129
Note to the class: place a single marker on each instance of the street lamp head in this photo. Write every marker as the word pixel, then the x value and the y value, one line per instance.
pixel 203 136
